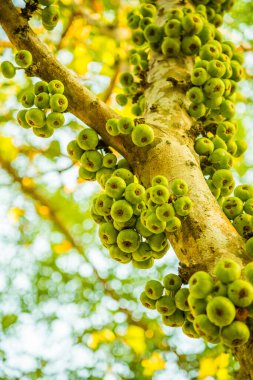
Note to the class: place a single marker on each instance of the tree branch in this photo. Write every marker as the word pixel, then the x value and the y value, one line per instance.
pixel 82 103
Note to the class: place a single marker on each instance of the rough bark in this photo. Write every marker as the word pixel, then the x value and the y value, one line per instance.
pixel 207 235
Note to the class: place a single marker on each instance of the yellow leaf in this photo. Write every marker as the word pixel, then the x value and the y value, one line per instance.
pixel 207 368
pixel 63 247
pixel 222 360
pixel 15 214
pixel 222 374
pixel 43 210
pixel 7 149
pixel 153 364
pixel 135 338
pixel 98 337
pixel 28 182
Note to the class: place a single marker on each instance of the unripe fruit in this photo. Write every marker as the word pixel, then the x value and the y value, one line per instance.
pixel 232 207
pixel 200 284
pixel 249 247
pixel 195 95
pixel 227 109
pixel 125 125
pixel 154 225
pixel 58 103
pixel 153 33
pixel 188 329
pixel 166 305
pixel 175 13
pixel 87 176
pixel 27 99
pixel 125 174
pixel 40 86
pixel 142 135
pixel 8 69
pixel 145 264
pixel 138 208
pixel 165 212
pixel 216 68
pixel 109 160
pixel 220 311
pixel 174 320
pixel 35 118
pixel 22 120
pixel 248 269
pixel 226 130
pixel 190 45
pixel 107 233
pixel 159 180
pixel 23 58
pixel 42 100
pixel 243 224
pixel 172 282
pixel 240 292
pixel 121 99
pixel 144 252
pixel 204 146
pixel 205 328
pixel 157 242
pixel 55 87
pixel 199 76
pixel 237 71
pixel 121 211
pixel 128 240
pixel 147 10
pixel 172 28
pixel 112 127
pixel 154 289
pixel 87 139
pixel 43 132
pixel 118 255
pixel 221 158
pixel 115 187
pixel 179 187
pixel 134 193
pixel 147 302
pixel 173 224
pixel 219 289
pixel 74 150
pixel 192 24
pixel 214 87
pixel 235 335
pixel 197 305
pixel 133 21
pixel 126 79
pixel 197 110
pixel 223 178
pixel 244 192
pixel 183 206
pixel 92 160
pixel 55 120
pixel 170 47
pixel 181 299
pixel 159 194
pixel 103 204
pixel 209 52
pixel 50 16
pixel 214 103
pixel 227 271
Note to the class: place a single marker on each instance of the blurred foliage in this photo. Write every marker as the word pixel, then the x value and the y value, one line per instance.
pixel 66 310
